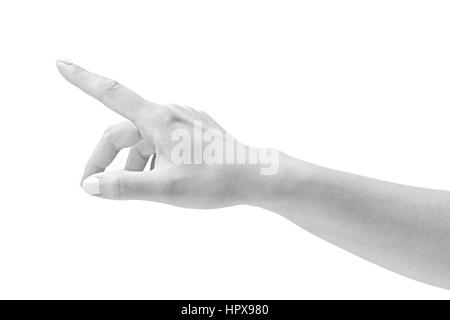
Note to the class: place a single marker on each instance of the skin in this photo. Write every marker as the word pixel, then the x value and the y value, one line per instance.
pixel 402 228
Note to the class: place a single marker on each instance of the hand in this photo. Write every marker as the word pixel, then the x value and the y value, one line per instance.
pixel 402 228
pixel 184 173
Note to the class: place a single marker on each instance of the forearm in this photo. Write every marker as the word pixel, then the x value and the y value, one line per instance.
pixel 402 228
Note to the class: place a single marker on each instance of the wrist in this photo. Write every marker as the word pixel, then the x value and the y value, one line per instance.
pixel 284 178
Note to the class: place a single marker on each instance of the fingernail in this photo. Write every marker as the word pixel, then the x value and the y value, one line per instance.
pixel 91 185
pixel 64 60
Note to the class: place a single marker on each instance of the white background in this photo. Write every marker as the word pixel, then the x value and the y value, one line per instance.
pixel 360 86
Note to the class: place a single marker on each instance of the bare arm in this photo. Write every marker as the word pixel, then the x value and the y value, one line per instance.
pixel 402 228
pixel 199 165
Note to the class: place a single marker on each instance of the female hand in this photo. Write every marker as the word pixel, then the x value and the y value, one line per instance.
pixel 186 173
pixel 402 228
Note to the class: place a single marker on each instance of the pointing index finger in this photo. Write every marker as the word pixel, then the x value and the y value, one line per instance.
pixel 110 92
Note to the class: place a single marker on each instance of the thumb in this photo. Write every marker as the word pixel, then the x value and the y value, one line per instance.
pixel 127 185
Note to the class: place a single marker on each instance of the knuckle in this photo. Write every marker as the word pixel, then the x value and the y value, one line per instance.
pixel 141 151
pixel 110 134
pixel 122 189
pixel 204 115
pixel 106 86
pixel 119 189
pixel 167 116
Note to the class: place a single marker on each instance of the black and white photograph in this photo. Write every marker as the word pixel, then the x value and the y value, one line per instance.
pixel 225 150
